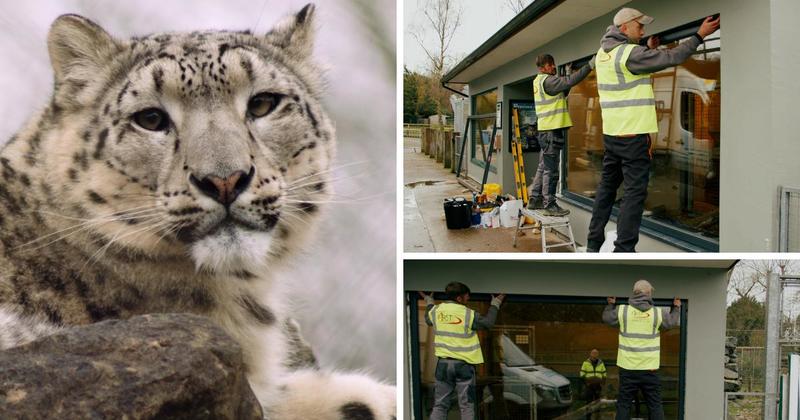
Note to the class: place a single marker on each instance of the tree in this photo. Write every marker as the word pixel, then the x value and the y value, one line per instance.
pixel 517 6
pixel 410 97
pixel 749 276
pixel 743 316
pixel 444 18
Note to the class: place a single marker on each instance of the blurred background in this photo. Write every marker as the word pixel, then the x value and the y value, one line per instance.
pixel 345 284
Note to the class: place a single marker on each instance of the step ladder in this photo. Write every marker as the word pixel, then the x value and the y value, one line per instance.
pixel 519 162
pixel 544 223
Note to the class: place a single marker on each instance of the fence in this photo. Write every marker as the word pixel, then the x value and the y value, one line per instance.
pixel 438 143
pixel 750 362
pixel 415 130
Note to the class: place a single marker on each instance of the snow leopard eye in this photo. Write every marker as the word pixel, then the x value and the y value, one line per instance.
pixel 262 104
pixel 152 119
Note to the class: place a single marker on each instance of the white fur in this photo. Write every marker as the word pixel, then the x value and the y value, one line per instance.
pixel 231 249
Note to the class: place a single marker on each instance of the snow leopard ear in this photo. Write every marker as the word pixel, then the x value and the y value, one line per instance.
pixel 79 49
pixel 295 34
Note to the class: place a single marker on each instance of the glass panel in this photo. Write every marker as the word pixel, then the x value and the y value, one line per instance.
pixel 533 359
pixel 485 103
pixel 684 179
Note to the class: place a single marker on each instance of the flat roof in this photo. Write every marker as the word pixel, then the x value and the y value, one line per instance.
pixel 520 35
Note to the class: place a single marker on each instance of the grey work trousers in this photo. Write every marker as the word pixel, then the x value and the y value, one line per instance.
pixel 454 375
pixel 545 182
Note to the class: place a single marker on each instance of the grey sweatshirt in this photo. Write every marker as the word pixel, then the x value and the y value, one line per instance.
pixel 553 85
pixel 479 322
pixel 643 60
pixel 669 318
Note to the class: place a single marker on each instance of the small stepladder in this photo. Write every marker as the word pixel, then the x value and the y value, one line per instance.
pixel 545 223
pixel 542 222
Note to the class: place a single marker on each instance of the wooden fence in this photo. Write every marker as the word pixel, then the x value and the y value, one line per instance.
pixel 439 144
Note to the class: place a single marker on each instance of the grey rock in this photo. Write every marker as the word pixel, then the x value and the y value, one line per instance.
pixel 151 366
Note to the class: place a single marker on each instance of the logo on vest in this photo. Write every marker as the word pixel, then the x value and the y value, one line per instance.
pixel 448 319
pixel 641 315
pixel 603 57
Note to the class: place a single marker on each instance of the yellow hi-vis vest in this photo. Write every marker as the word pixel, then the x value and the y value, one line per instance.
pixel 551 111
pixel 453 333
pixel 639 338
pixel 590 371
pixel 626 99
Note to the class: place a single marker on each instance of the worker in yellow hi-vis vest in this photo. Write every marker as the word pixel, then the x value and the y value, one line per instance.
pixel 457 347
pixel 628 108
pixel 593 373
pixel 552 121
pixel 639 354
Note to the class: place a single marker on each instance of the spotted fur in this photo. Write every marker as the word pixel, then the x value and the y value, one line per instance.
pixel 102 216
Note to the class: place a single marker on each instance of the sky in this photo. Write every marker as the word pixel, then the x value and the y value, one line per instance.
pixel 481 19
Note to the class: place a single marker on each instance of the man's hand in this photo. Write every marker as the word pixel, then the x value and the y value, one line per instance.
pixel 498 299
pixel 708 26
pixel 611 300
pixel 676 302
pixel 428 298
pixel 653 42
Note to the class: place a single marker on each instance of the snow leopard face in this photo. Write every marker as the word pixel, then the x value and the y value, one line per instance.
pixel 212 143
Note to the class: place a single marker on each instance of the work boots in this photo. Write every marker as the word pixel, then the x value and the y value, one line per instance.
pixel 535 204
pixel 554 210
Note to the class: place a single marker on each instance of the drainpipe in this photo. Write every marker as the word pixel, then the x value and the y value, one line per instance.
pixel 444 85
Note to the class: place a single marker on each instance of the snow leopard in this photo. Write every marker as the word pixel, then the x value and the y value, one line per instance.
pixel 177 172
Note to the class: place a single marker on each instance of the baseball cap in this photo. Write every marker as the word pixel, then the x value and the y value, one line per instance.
pixel 626 14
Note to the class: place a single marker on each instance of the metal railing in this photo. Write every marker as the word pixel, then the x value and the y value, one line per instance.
pixel 750 364
pixel 744 406
pixel 415 130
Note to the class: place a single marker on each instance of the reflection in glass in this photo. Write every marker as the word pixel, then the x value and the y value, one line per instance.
pixel 684 180
pixel 533 359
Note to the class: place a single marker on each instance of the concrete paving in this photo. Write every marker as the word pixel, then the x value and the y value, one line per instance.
pixel 426 185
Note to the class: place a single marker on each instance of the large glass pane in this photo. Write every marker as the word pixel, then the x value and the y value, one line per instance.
pixel 684 180
pixel 485 103
pixel 533 358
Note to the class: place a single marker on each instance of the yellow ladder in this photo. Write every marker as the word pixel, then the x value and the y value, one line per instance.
pixel 519 162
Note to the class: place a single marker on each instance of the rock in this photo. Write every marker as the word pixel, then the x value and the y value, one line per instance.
pixel 731 375
pixel 152 366
pixel 732 386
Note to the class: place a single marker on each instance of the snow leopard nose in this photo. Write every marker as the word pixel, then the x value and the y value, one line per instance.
pixel 224 190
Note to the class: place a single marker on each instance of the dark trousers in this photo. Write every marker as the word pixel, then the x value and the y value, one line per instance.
pixel 632 381
pixel 454 376
pixel 545 182
pixel 626 162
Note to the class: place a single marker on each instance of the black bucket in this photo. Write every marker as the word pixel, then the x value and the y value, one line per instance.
pixel 458 213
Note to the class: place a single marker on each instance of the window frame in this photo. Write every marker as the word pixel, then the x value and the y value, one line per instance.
pixel 664 232
pixel 474 127
pixel 412 302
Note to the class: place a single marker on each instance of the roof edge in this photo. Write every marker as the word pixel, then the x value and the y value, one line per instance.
pixel 516 24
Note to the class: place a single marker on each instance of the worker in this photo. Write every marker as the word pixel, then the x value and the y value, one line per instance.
pixel 639 354
pixel 457 347
pixel 628 109
pixel 593 373
pixel 552 119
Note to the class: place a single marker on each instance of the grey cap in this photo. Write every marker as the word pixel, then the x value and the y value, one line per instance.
pixel 626 14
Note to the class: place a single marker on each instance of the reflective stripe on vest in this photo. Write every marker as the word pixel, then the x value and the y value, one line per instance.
pixel 551 111
pixel 627 101
pixel 590 371
pixel 453 335
pixel 639 338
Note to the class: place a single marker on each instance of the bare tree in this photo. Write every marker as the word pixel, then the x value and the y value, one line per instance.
pixel 517 5
pixel 444 17
pixel 749 276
